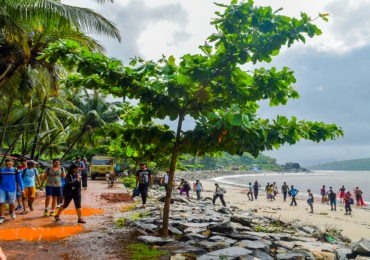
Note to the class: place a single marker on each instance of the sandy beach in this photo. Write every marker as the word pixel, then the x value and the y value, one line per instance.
pixel 355 226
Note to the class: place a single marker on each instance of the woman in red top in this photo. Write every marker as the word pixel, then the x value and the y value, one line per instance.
pixel 347 203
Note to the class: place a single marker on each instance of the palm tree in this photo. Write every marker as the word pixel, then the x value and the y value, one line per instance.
pixel 96 111
pixel 21 19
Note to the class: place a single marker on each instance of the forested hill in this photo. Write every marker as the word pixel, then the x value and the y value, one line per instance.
pixel 347 165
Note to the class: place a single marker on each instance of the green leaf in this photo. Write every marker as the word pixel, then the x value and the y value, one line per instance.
pixel 171 61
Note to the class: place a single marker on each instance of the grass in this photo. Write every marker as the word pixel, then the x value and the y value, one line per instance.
pixel 121 222
pixel 140 251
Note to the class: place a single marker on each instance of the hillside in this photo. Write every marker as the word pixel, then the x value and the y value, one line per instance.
pixel 346 165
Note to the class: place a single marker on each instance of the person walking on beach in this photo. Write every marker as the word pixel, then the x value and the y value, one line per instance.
pixel 323 194
pixel 198 188
pixel 9 178
pixel 72 191
pixel 333 199
pixel 358 195
pixel 29 176
pixel 347 202
pixel 53 177
pixel 276 190
pixel 184 187
pixel 144 179
pixel 267 189
pixel 310 200
pixel 284 190
pixel 85 173
pixel 250 192
pixel 293 193
pixel 219 193
pixel 23 165
pixel 341 193
pixel 256 187
pixel 270 193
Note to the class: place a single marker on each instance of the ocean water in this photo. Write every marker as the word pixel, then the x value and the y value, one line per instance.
pixel 303 181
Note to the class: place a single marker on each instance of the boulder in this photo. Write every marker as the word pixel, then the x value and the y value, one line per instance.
pixel 253 245
pixel 181 247
pixel 243 220
pixel 212 245
pixel 146 227
pixel 362 246
pixel 193 237
pixel 307 230
pixel 262 255
pixel 243 237
pixel 194 230
pixel 228 253
pixel 222 239
pixel 152 240
pixel 174 231
pixel 285 244
pixel 223 210
pixel 290 256
pixel 221 228
pixel 322 255
pixel 343 253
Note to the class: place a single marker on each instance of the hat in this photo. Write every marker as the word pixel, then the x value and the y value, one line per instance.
pixel 31 162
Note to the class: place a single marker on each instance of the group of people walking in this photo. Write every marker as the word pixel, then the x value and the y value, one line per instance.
pixel 19 184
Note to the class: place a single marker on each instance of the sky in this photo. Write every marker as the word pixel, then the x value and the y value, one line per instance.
pixel 332 70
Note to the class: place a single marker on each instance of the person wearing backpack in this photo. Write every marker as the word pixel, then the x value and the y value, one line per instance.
pixel 53 176
pixel 29 175
pixel 9 179
pixel 144 180
pixel 219 193
pixel 72 191
pixel 23 162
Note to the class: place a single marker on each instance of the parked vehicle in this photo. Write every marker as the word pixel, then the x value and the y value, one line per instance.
pixel 101 165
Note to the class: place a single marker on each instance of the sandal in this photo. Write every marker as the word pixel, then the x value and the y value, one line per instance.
pixel 57 218
pixel 81 221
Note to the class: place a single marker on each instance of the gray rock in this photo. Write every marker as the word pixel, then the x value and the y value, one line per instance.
pixel 223 210
pixel 243 237
pixel 194 230
pixel 342 253
pixel 212 245
pixel 229 254
pixel 262 255
pixel 290 256
pixel 362 246
pixel 222 228
pixel 193 237
pixel 222 239
pixel 360 257
pixel 174 231
pixel 307 230
pixel 155 240
pixel 195 225
pixel 147 227
pixel 285 244
pixel 243 220
pixel 253 245
pixel 181 247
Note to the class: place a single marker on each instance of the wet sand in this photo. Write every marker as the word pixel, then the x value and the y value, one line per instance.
pixel 355 226
pixel 33 236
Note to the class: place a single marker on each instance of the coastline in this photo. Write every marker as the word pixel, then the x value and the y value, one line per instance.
pixel 355 226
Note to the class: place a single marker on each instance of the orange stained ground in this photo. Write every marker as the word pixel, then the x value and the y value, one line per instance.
pixel 39 233
pixel 85 212
pixel 125 208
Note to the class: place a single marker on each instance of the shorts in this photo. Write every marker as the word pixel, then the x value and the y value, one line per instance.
pixel 53 191
pixel 19 194
pixel 7 196
pixel 333 202
pixel 29 192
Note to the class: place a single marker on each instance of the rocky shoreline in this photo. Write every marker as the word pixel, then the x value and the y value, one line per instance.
pixel 200 230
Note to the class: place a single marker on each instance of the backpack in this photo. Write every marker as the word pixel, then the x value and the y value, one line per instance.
pixel 187 186
pixel 15 174
pixel 23 171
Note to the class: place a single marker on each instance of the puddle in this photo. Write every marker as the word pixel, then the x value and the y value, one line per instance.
pixel 39 233
pixel 85 212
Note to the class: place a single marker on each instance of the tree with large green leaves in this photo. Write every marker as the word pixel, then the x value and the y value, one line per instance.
pixel 210 88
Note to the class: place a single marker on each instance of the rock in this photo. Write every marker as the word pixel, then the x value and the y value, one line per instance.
pixel 147 227
pixel 253 245
pixel 152 240
pixel 174 231
pixel 193 237
pixel 228 253
pixel 222 239
pixel 221 228
pixel 360 257
pixel 195 225
pixel 243 220
pixel 318 254
pixel 262 255
pixel 285 244
pixel 212 245
pixel 343 253
pixel 290 256
pixel 307 230
pixel 243 237
pixel 178 257
pixel 362 246
pixel 194 230
pixel 138 232
pixel 223 210
pixel 180 247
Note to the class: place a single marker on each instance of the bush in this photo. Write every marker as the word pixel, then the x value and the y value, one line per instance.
pixel 141 251
pixel 129 182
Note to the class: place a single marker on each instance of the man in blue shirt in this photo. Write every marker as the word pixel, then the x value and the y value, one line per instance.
pixel 293 193
pixel 9 177
pixel 80 164
pixel 29 175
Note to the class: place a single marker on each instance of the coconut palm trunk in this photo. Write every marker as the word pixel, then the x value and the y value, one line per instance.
pixel 38 128
pixel 10 105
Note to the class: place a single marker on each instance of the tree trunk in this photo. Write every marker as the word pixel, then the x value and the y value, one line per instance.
pixel 74 142
pixel 11 147
pixel 38 128
pixel 10 105
pixel 171 176
pixel 6 76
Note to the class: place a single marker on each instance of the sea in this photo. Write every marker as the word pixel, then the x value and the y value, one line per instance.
pixel 307 180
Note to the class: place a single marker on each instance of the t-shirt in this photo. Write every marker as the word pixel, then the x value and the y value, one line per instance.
pixel 54 177
pixel 8 179
pixel 250 187
pixel 323 191
pixel 284 188
pixel 293 192
pixel 80 165
pixel 165 178
pixel 198 186
pixel 143 176
pixel 87 168
pixel 332 196
pixel 255 186
pixel 71 183
pixel 29 176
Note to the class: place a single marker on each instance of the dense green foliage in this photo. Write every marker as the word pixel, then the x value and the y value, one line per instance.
pixel 140 251
pixel 231 162
pixel 346 165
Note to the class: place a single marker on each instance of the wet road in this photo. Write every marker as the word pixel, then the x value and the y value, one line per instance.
pixel 33 236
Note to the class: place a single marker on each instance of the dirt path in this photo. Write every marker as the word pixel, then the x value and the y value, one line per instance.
pixel 33 236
